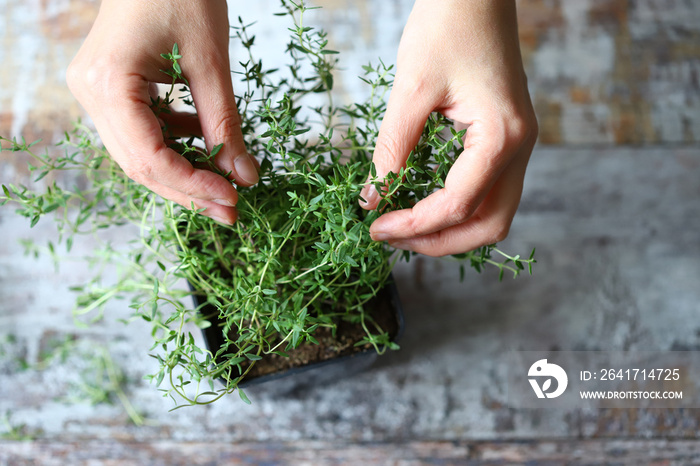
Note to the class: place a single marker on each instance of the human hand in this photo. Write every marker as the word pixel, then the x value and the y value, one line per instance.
pixel 110 76
pixel 462 59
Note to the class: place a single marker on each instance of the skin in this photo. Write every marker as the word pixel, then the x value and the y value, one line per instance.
pixel 458 57
pixel 110 76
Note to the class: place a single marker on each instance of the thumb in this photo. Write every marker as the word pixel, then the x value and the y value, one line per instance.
pixel 402 127
pixel 213 97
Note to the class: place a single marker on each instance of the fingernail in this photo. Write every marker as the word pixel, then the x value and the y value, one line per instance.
pixel 224 202
pixel 246 169
pixel 379 236
pixel 221 220
pixel 369 194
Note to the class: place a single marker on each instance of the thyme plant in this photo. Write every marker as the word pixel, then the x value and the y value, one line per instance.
pixel 299 258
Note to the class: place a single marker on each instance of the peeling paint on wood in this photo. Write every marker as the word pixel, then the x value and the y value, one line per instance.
pixel 312 453
pixel 616 235
pixel 601 72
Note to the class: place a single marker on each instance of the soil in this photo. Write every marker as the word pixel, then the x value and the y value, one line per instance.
pixel 329 346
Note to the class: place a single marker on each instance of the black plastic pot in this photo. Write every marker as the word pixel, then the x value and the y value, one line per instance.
pixel 314 373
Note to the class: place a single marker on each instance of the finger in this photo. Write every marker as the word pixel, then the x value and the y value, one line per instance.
pixel 487 152
pixel 131 133
pixel 406 114
pixel 213 96
pixel 489 224
pixel 453 240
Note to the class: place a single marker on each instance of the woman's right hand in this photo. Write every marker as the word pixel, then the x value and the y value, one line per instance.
pixel 110 76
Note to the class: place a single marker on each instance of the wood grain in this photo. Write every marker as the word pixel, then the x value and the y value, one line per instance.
pixel 315 453
pixel 600 72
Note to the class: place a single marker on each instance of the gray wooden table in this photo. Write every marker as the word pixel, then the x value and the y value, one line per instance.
pixel 616 227
pixel 616 232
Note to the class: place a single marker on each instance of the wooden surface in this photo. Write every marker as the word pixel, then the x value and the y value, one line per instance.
pixel 314 453
pixel 616 232
pixel 616 229
pixel 600 71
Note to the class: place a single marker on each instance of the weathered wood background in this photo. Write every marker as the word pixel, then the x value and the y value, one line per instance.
pixel 616 226
pixel 601 71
